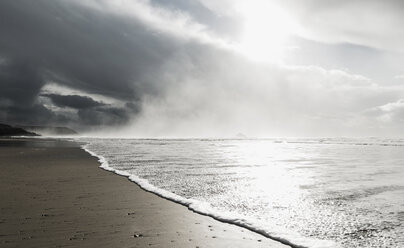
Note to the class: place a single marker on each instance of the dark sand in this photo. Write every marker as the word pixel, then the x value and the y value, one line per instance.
pixel 52 194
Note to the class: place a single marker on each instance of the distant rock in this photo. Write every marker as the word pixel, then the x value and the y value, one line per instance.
pixel 241 136
pixel 47 130
pixel 7 130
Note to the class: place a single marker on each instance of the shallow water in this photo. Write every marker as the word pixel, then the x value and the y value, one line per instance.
pixel 309 192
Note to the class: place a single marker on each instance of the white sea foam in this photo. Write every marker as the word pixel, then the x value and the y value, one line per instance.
pixel 342 189
pixel 285 236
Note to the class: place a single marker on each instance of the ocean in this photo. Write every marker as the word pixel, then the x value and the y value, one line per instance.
pixel 303 192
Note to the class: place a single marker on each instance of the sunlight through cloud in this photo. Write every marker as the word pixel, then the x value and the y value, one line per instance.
pixel 266 30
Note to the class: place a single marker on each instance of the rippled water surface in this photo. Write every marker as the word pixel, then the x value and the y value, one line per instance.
pixel 348 191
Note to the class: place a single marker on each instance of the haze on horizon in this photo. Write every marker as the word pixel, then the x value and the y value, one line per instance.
pixel 204 68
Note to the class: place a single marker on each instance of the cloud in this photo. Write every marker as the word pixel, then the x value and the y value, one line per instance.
pixel 230 96
pixel 73 101
pixel 105 116
pixel 20 82
pixel 392 112
pixel 370 23
pixel 80 48
pixel 159 72
pixel 175 22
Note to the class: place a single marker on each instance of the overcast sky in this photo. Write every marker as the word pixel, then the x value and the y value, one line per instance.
pixel 204 68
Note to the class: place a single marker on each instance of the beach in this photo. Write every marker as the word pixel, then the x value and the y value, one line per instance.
pixel 53 194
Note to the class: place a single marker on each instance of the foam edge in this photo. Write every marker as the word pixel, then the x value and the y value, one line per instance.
pixel 295 240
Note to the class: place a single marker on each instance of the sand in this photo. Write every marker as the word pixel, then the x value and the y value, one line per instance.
pixel 53 194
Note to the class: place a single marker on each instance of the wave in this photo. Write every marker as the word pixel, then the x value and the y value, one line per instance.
pixel 282 235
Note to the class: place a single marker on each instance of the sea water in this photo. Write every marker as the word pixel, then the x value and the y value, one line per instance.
pixel 303 192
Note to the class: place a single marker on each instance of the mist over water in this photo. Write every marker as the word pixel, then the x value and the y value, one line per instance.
pixel 306 191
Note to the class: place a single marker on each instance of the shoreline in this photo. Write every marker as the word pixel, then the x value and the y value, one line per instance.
pixel 191 205
pixel 56 195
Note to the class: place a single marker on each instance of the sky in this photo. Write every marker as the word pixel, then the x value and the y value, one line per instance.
pixel 204 68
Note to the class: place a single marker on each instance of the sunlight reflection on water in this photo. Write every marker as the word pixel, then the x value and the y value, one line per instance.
pixel 346 190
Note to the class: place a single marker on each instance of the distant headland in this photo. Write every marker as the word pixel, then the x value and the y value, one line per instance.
pixel 7 130
pixel 20 130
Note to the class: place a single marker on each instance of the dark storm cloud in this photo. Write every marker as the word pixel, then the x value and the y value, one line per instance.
pixel 20 82
pixel 105 116
pixel 94 113
pixel 31 115
pixel 81 48
pixel 73 101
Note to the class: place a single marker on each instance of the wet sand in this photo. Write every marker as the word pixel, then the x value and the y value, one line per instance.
pixel 53 194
